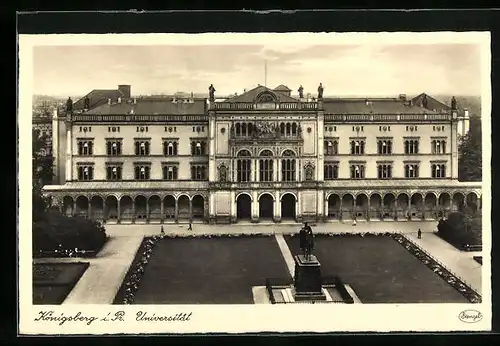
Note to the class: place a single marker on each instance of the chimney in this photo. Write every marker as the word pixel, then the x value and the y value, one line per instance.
pixel 124 90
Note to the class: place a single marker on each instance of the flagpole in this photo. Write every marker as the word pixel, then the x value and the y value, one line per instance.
pixel 265 73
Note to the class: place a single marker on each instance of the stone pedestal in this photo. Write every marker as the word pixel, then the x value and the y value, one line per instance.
pixel 307 281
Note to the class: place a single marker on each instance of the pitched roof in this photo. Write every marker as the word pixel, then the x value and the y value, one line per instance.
pixel 151 106
pixel 375 106
pixel 251 95
pixel 432 103
pixel 97 97
pixel 282 87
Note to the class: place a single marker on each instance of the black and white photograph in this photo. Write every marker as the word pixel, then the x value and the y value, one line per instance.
pixel 235 182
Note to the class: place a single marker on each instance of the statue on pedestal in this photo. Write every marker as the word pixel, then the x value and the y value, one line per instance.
pixel 69 105
pixel 320 91
pixel 453 103
pixel 306 241
pixel 211 92
pixel 301 92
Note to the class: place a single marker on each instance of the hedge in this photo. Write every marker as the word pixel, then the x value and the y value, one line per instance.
pixel 461 231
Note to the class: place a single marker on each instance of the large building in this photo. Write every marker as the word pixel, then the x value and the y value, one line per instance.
pixel 262 156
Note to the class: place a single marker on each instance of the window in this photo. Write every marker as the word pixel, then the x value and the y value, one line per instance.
pixel 411 146
pixel 114 172
pixel 114 147
pixel 438 146
pixel 170 172
pixel 85 148
pixel 288 166
pixel 243 166
pixel 198 148
pixel 357 171
pixel 331 147
pixel 85 173
pixel 170 147
pixel 266 166
pixel 243 129
pixel 411 170
pixel 438 170
pixel 142 172
pixel 142 147
pixel 331 171
pixel 384 146
pixel 198 172
pixel 357 147
pixel 385 171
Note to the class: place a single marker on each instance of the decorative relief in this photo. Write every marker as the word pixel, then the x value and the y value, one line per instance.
pixel 222 172
pixel 266 129
pixel 309 171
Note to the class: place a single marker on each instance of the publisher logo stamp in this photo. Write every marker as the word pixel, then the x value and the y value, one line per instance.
pixel 470 316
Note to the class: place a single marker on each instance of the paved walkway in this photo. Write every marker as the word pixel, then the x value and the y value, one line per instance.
pixel 102 279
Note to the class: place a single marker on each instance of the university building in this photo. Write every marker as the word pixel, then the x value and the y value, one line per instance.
pixel 262 156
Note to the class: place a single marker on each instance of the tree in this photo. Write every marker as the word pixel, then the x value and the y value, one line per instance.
pixel 470 153
pixel 42 173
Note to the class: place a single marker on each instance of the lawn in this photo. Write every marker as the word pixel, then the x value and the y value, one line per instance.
pixel 209 270
pixel 52 282
pixel 379 270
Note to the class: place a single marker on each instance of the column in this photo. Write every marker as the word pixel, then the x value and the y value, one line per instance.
pixel 211 207
pixel 320 202
pixel 277 206
pixel 454 150
pixel 396 207
pixel 275 169
pixel 118 217
pixel 298 207
pixel 176 214
pixel 73 207
pixel 279 170
pixel 354 208
pixel 89 210
pixel 162 211
pixel 255 206
pixel 133 210
pixel 298 169
pixel 69 152
pixel 367 208
pixel 147 210
pixel 341 216
pixel 232 210
pixel 252 171
pixel 190 209
pixel 325 212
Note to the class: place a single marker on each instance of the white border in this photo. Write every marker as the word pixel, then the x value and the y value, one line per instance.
pixel 252 318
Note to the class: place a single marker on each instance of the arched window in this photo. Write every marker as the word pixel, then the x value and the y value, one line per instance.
pixel 243 166
pixel 288 167
pixel 266 166
pixel 294 129
pixel 282 129
pixel 288 129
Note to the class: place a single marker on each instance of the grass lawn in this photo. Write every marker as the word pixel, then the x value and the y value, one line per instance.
pixel 52 282
pixel 379 270
pixel 209 270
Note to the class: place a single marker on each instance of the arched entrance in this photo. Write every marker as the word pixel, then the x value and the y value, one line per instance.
pixel 347 207
pixel 243 207
pixel 154 203
pixel 169 207
pixel 97 208
pixel 140 208
pixel 126 208
pixel 288 202
pixel 430 206
pixel 198 207
pixel 266 206
pixel 375 206
pixel 416 202
pixel 361 206
pixel 334 206
pixel 389 206
pixel 82 206
pixel 472 203
pixel 458 201
pixel 111 210
pixel 444 204
pixel 403 211
pixel 68 205
pixel 183 208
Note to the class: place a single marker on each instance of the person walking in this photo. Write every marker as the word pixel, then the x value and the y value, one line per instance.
pixel 162 232
pixel 354 222
pixel 190 228
pixel 419 234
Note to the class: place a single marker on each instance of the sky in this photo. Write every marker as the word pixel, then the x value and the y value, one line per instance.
pixel 354 70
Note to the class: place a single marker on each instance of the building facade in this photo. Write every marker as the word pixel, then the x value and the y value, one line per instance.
pixel 263 156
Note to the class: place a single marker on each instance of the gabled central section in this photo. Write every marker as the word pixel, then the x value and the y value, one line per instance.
pixel 261 95
pixel 266 97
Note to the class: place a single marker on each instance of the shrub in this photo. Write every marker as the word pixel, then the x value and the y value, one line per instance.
pixel 460 230
pixel 56 232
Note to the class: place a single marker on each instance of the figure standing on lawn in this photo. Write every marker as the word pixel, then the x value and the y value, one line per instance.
pixel 419 234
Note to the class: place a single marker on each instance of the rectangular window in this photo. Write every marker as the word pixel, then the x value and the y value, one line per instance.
pixel 85 147
pixel 357 147
pixel 438 146
pixel 142 172
pixel 385 171
pixel 411 170
pixel 198 172
pixel 331 171
pixel 114 147
pixel 411 146
pixel 331 147
pixel 114 172
pixel 142 147
pixel 265 170
pixel 384 146
pixel 198 148
pixel 357 171
pixel 85 173
pixel 170 172
pixel 288 170
pixel 438 170
pixel 170 147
